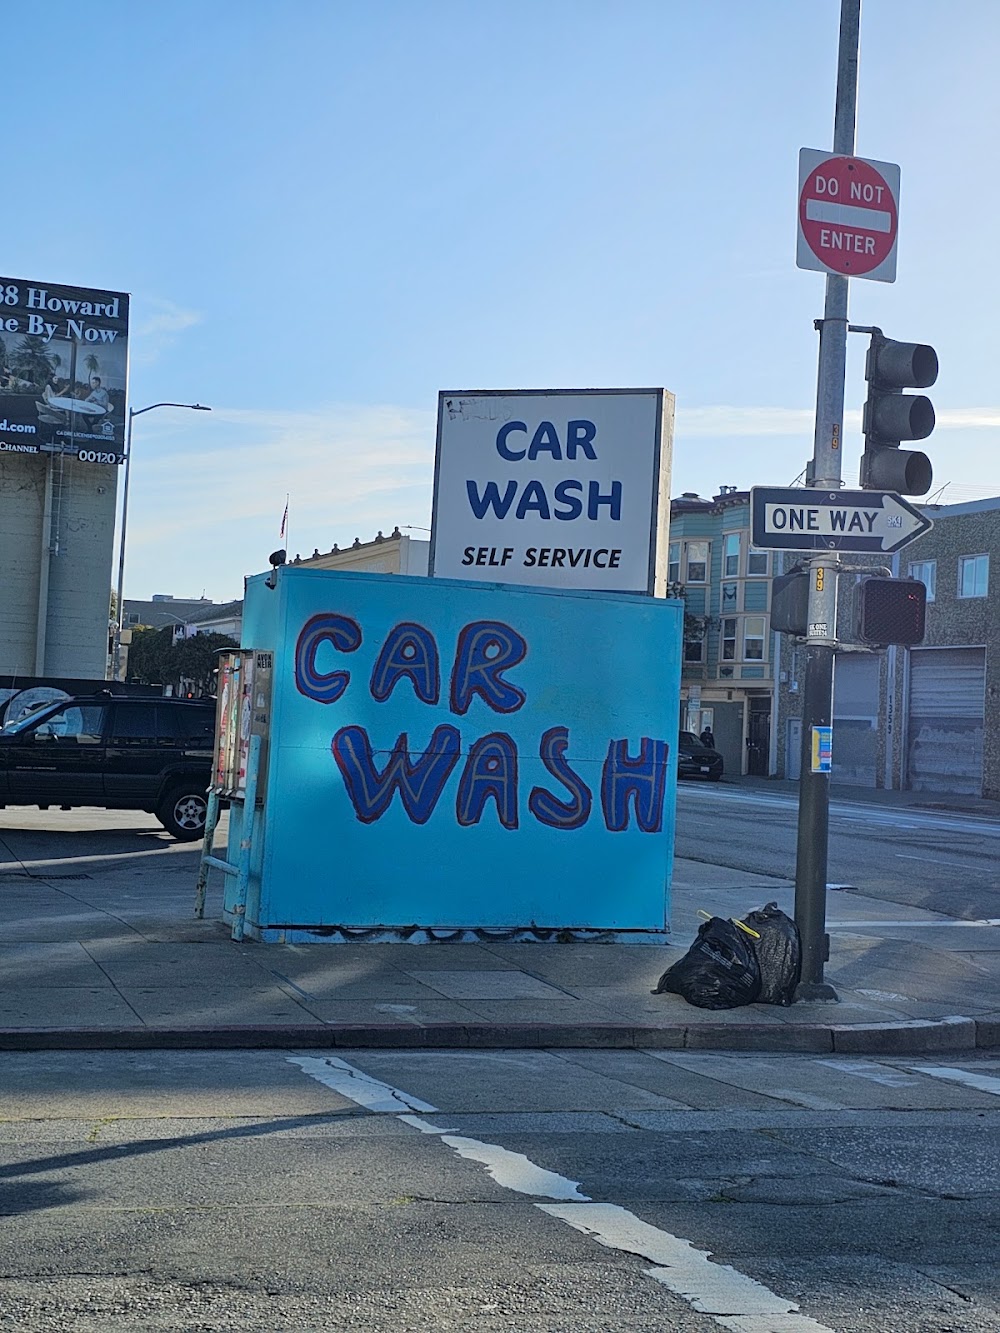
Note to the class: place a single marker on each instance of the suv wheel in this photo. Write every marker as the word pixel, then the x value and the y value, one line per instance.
pixel 182 812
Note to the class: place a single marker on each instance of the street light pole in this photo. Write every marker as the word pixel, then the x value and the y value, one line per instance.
pixel 116 659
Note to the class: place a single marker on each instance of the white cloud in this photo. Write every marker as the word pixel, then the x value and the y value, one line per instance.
pixel 739 421
pixel 209 490
pixel 157 327
pixel 968 418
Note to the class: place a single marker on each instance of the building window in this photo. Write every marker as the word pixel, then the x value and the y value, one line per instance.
pixel 731 555
pixel 132 618
pixel 674 563
pixel 697 562
pixel 756 562
pixel 926 572
pixel 973 575
pixel 729 600
pixel 693 650
pixel 753 639
pixel 729 640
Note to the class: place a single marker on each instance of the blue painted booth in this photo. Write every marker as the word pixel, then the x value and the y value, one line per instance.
pixel 451 759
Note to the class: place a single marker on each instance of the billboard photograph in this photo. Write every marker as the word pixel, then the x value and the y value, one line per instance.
pixel 63 369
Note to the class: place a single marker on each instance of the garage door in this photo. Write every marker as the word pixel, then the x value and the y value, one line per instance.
pixel 945 736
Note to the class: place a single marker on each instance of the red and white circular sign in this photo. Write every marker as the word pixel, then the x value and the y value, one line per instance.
pixel 847 215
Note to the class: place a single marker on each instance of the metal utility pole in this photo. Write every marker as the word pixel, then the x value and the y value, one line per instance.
pixel 824 473
pixel 116 652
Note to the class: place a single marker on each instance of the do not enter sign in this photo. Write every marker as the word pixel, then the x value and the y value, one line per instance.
pixel 848 215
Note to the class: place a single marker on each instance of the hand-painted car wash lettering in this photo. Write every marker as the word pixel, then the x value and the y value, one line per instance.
pixel 485 651
pixel 570 498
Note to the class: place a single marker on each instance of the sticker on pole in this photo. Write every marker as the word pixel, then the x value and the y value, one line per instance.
pixel 822 750
pixel 848 215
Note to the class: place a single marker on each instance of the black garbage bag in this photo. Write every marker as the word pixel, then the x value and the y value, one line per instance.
pixel 719 971
pixel 779 953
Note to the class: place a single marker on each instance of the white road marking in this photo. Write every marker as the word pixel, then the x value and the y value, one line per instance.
pixel 514 1171
pixel 900 817
pixel 371 1093
pixel 939 924
pixel 981 1082
pixel 890 1078
pixel 735 1301
pixel 932 860
pixel 17 867
pixel 708 1287
pixel 511 1169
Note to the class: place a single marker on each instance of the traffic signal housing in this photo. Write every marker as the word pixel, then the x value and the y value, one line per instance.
pixel 891 611
pixel 790 603
pixel 892 416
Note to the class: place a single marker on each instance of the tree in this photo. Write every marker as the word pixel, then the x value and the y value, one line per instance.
pixel 32 361
pixel 696 627
pixel 196 659
pixel 92 363
pixel 149 656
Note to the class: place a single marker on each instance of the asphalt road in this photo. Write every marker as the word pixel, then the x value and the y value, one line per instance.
pixel 570 1191
pixel 531 1190
pixel 937 860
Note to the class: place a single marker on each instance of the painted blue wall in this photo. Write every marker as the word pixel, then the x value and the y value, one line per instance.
pixel 604 667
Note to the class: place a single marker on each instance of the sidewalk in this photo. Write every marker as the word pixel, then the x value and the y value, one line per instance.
pixel 103 952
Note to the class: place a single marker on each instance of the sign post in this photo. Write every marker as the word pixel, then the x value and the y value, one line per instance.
pixel 824 474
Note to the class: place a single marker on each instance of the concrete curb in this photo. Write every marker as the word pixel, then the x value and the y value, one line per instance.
pixel 920 1036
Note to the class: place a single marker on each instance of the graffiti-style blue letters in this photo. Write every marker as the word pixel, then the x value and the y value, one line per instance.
pixel 486 649
pixel 542 804
pixel 419 784
pixel 344 634
pixel 643 779
pixel 490 770
pixel 409 650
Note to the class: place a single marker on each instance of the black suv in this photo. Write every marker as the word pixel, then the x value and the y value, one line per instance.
pixel 118 752
pixel 695 760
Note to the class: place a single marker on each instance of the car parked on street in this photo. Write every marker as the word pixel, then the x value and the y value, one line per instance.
pixel 119 752
pixel 695 760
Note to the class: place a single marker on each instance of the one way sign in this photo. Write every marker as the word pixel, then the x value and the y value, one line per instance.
pixel 812 520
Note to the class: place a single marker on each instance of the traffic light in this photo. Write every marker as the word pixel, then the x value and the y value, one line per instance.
pixel 892 416
pixel 891 611
pixel 790 603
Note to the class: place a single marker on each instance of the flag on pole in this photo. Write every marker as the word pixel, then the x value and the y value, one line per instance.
pixel 284 521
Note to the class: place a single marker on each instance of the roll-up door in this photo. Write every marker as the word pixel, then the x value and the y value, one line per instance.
pixel 945 735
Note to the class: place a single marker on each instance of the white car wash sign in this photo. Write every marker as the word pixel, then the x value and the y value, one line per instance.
pixel 560 488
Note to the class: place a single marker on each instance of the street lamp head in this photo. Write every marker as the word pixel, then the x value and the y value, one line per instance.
pixel 200 407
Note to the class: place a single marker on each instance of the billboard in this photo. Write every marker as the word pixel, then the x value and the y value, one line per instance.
pixel 566 488
pixel 63 370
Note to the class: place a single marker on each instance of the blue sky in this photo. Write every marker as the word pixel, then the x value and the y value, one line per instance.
pixel 328 210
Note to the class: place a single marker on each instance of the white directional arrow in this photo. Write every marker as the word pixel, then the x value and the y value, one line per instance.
pixel 807 519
